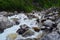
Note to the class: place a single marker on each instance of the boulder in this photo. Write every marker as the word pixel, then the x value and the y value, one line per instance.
pixel 22 29
pixel 52 18
pixel 4 23
pixel 48 23
pixel 12 36
pixel 25 31
pixel 58 20
pixel 3 13
pixel 7 13
pixel 40 35
pixel 51 36
pixel 15 21
pixel 58 27
pixel 28 33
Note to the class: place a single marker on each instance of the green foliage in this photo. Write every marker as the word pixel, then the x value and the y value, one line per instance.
pixel 27 5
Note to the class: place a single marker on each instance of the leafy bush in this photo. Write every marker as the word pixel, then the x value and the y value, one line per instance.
pixel 27 5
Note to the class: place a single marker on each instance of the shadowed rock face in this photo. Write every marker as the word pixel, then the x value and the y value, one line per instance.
pixel 4 23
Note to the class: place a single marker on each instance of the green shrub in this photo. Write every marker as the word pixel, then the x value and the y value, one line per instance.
pixel 27 5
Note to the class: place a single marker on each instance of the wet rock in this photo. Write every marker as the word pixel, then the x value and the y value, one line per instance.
pixel 58 20
pixel 10 14
pixel 25 31
pixel 1 30
pixel 49 29
pixel 3 13
pixel 40 35
pixel 28 33
pixel 43 28
pixel 11 36
pixel 37 29
pixel 37 37
pixel 4 23
pixel 42 20
pixel 55 12
pixel 31 16
pixel 15 20
pixel 50 14
pixel 38 21
pixel 52 18
pixel 48 23
pixel 58 26
pixel 51 36
pixel 23 28
pixel 6 13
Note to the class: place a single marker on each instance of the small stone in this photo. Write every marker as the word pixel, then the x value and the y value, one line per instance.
pixel 42 20
pixel 58 26
pixel 37 29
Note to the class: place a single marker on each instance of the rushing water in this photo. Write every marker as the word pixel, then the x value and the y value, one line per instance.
pixel 14 28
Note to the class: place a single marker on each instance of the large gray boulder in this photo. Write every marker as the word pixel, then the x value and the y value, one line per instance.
pixel 49 23
pixel 3 13
pixel 4 23
pixel 51 36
